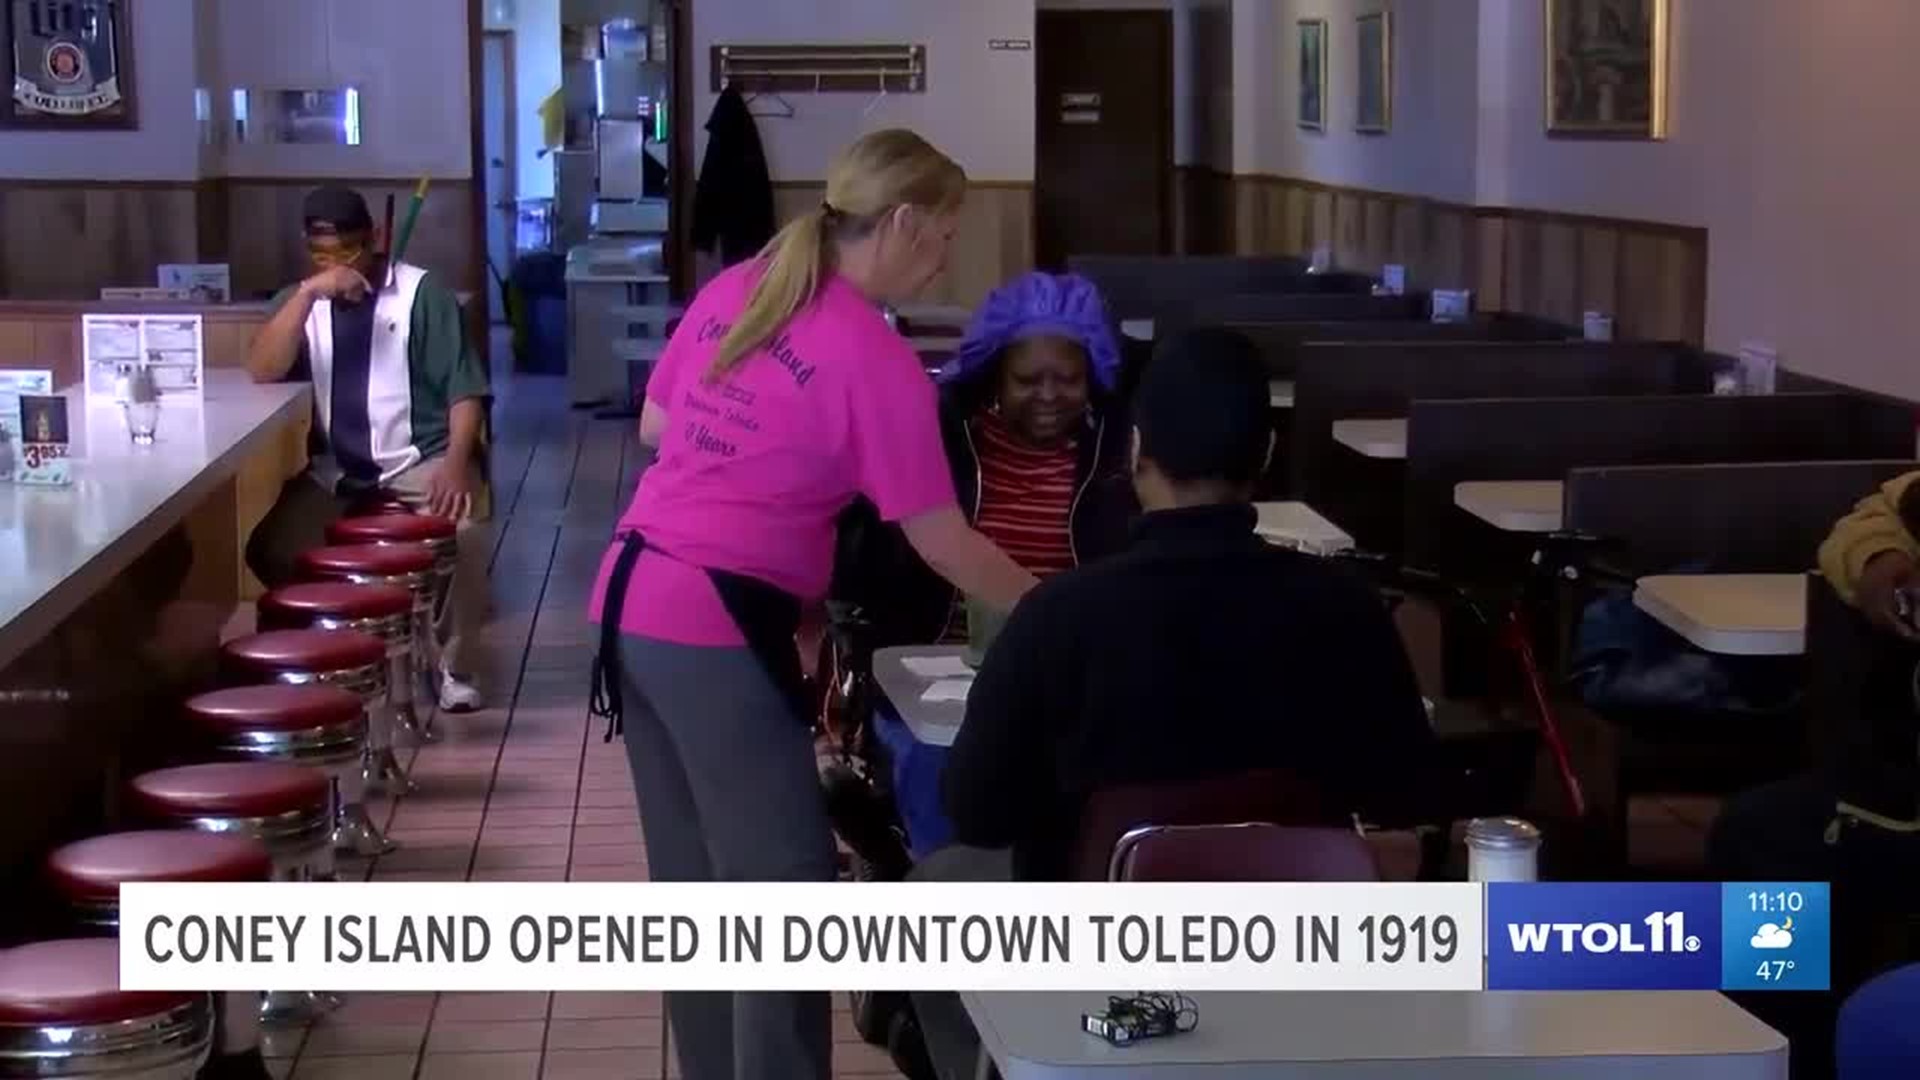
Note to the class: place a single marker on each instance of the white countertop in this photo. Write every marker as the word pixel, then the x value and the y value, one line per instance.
pixel 1385 439
pixel 1523 506
pixel 1299 526
pixel 1730 614
pixel 1280 393
pixel 60 546
pixel 1649 1035
pixel 935 723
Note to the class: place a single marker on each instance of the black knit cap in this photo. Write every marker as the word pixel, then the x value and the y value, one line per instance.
pixel 1202 407
pixel 333 208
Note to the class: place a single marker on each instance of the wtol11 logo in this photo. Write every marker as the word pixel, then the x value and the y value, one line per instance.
pixel 1659 936
pixel 1604 936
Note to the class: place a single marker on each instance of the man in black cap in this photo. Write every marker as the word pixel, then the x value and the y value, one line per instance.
pixel 1200 651
pixel 400 406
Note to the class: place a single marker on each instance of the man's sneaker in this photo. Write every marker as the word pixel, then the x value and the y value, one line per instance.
pixel 457 695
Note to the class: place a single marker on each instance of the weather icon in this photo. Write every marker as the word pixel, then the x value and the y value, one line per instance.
pixel 1770 936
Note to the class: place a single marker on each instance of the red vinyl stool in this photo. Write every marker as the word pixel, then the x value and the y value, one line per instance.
pixel 63 1015
pixel 89 873
pixel 380 502
pixel 440 535
pixel 345 658
pixel 384 611
pixel 321 726
pixel 405 566
pixel 288 808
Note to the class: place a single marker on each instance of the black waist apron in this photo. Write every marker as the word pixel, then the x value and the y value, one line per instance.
pixel 768 617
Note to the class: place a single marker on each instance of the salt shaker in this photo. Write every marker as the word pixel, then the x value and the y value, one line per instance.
pixel 1502 849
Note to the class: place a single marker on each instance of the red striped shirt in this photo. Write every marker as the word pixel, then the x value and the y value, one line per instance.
pixel 1026 499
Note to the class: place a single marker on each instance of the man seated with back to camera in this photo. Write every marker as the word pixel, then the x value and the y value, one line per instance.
pixel 1200 651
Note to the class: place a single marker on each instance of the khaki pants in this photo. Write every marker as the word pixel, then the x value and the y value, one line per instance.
pixel 298 522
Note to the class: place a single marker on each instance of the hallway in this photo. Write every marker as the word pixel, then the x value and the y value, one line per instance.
pixel 524 791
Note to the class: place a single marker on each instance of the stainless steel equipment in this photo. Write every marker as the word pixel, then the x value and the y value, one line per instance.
pixel 617 291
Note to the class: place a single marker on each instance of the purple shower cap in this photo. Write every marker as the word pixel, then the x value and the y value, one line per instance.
pixel 1040 305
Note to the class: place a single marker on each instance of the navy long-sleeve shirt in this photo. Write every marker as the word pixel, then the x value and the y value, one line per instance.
pixel 1201 650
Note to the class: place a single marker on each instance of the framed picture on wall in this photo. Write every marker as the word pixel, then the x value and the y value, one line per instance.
pixel 69 62
pixel 1313 74
pixel 1373 99
pixel 1607 68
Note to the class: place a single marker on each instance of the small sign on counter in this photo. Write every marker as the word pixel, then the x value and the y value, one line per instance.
pixel 1452 305
pixel 171 346
pixel 34 433
pixel 204 283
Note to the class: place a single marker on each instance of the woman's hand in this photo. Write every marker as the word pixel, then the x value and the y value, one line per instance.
pixel 969 561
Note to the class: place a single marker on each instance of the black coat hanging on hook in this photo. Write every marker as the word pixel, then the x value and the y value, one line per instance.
pixel 733 199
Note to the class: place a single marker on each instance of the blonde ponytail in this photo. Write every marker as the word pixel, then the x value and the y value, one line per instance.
pixel 795 260
pixel 880 171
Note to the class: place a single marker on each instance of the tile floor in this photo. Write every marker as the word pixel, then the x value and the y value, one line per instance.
pixel 498 796
pixel 524 791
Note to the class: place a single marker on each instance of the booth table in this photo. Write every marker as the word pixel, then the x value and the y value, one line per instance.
pixel 1730 614
pixel 1522 506
pixel 1299 526
pixel 1561 1035
pixel 1383 439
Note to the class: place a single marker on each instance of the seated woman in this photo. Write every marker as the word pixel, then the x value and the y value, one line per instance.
pixel 1039 457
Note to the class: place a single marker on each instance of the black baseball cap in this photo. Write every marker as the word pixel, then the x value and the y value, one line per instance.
pixel 333 208
pixel 1202 407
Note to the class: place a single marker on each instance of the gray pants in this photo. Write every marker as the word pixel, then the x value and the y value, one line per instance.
pixel 952 1042
pixel 728 791
pixel 298 522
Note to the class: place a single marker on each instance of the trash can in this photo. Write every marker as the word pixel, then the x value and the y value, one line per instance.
pixel 538 310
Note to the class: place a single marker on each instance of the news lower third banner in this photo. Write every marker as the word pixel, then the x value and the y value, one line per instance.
pixel 1092 937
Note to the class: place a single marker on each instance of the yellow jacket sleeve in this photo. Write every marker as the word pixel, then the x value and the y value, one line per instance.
pixel 1874 527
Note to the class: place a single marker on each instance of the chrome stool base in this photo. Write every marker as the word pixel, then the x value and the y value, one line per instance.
pixel 382 773
pixel 409 723
pixel 355 832
pixel 295 1007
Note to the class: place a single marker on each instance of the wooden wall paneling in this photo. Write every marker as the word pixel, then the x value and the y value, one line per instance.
pixel 266 251
pixel 61 241
pixel 1488 242
pixel 1600 262
pixel 993 243
pixel 1558 261
pixel 1650 276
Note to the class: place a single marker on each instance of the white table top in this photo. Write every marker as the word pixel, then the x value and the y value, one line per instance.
pixel 1299 526
pixel 934 314
pixel 1523 506
pixel 60 546
pixel 1280 393
pixel 925 345
pixel 1137 329
pixel 1402 1036
pixel 1730 614
pixel 1385 439
pixel 935 723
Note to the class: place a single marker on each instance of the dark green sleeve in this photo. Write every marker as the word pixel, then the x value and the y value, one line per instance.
pixel 439 347
pixel 302 363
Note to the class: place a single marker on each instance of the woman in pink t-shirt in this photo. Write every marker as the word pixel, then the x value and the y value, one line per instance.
pixel 782 396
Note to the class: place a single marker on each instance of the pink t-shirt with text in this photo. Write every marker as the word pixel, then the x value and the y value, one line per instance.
pixel 754 468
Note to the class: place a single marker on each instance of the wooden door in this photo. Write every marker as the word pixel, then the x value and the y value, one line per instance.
pixel 1103 164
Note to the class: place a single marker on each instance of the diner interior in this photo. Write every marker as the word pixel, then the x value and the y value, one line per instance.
pixel 1582 318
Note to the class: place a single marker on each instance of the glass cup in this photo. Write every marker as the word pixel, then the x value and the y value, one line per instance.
pixel 143 420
